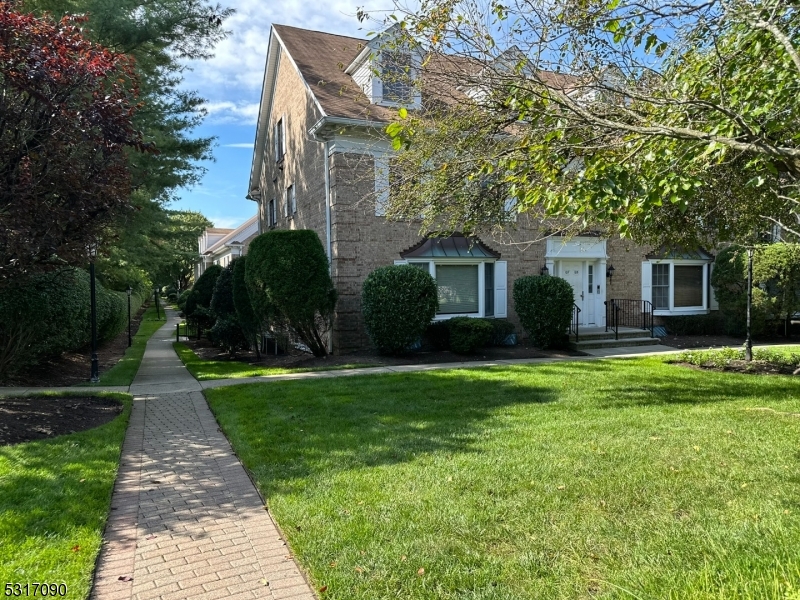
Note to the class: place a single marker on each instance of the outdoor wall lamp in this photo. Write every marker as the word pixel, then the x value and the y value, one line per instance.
pixel 610 271
pixel 544 270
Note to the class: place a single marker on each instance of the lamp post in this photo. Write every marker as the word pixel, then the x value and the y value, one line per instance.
pixel 130 291
pixel 155 294
pixel 95 375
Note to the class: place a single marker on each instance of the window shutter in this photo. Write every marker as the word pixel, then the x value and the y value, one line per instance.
pixel 712 298
pixel 647 275
pixel 286 203
pixel 500 289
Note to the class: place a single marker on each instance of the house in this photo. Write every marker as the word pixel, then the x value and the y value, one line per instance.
pixel 219 246
pixel 321 162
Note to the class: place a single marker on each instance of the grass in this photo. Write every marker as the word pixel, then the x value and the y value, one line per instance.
pixel 54 500
pixel 125 370
pixel 604 479
pixel 205 370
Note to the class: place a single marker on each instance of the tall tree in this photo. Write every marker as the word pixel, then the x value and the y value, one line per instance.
pixel 66 121
pixel 608 111
pixel 160 243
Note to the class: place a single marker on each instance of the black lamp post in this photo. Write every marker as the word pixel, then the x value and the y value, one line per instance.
pixel 155 294
pixel 130 291
pixel 95 376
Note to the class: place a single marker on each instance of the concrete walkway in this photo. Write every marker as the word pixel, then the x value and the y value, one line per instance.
pixel 186 521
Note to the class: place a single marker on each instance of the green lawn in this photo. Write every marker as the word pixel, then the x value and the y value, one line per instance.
pixel 54 500
pixel 204 370
pixel 125 370
pixel 603 479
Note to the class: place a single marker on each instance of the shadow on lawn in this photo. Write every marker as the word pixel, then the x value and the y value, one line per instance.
pixel 286 433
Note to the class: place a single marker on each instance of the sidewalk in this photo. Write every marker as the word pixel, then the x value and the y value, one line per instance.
pixel 186 521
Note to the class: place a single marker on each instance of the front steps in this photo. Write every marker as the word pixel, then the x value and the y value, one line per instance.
pixel 590 338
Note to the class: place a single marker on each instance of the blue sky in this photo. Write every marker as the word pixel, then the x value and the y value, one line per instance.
pixel 231 84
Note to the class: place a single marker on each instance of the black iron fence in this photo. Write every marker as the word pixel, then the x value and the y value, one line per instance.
pixel 187 331
pixel 622 312
pixel 576 319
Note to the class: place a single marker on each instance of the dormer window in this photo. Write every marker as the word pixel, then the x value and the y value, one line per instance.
pixel 386 70
pixel 396 77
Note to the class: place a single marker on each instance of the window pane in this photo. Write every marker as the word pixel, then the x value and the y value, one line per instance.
pixel 395 76
pixel 689 285
pixel 421 265
pixel 660 287
pixel 458 288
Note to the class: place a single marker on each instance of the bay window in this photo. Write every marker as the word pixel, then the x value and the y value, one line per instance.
pixel 676 286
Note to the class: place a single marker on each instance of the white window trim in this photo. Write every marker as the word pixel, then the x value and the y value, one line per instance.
pixel 681 310
pixel 481 282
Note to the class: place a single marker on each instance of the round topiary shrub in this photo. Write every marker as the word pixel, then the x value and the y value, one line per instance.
pixel 544 305
pixel 398 303
pixel 467 335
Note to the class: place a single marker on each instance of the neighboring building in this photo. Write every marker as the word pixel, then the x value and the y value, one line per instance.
pixel 220 246
pixel 320 162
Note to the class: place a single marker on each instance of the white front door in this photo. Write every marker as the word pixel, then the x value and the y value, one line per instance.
pixel 572 271
pixel 592 291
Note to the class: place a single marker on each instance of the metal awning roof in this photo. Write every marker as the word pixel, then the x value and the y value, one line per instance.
pixel 455 246
pixel 680 253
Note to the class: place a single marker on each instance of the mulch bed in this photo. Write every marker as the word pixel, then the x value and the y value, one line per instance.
pixel 75 367
pixel 756 367
pixel 37 417
pixel 371 357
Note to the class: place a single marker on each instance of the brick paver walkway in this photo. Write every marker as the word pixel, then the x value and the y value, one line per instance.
pixel 186 521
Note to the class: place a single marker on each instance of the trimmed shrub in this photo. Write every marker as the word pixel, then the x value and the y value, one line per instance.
pixel 729 279
pixel 501 329
pixel 438 335
pixel 544 305
pixel 290 285
pixel 398 303
pixel 182 298
pixel 49 314
pixel 221 304
pixel 227 334
pixel 241 302
pixel 198 302
pixel 467 335
pixel 710 324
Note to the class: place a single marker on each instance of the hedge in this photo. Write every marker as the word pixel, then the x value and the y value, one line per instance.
pixel 49 314
pixel 467 334
pixel 241 302
pixel 398 303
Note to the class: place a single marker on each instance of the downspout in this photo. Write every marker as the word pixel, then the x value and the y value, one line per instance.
pixel 328 245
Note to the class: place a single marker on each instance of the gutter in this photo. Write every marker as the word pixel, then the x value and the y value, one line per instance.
pixel 316 129
pixel 329 245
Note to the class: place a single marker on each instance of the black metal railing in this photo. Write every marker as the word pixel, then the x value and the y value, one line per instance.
pixel 622 312
pixel 187 330
pixel 576 319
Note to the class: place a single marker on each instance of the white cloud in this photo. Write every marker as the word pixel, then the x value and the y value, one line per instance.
pixel 227 222
pixel 227 111
pixel 237 69
pixel 239 145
